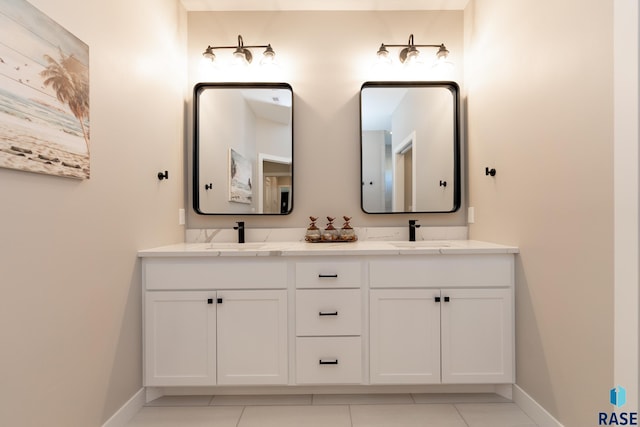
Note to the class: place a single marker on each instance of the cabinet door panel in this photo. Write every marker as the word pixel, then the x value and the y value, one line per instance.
pixel 180 341
pixel 477 336
pixel 252 337
pixel 405 336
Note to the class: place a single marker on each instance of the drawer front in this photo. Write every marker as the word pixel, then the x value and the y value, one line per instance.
pixel 328 312
pixel 485 270
pixel 328 360
pixel 334 274
pixel 189 273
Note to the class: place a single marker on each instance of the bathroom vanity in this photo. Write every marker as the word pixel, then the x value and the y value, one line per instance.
pixel 294 313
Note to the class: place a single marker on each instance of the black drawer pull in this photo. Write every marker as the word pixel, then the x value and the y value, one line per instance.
pixel 328 313
pixel 210 301
pixel 219 301
pixel 446 299
pixel 328 362
pixel 437 299
pixel 328 276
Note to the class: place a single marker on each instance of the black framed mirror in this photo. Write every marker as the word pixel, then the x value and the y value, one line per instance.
pixel 410 147
pixel 243 149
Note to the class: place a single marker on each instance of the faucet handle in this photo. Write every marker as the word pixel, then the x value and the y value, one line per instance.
pixel 239 226
pixel 412 223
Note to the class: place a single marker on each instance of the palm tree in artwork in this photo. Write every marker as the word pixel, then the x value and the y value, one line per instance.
pixel 70 80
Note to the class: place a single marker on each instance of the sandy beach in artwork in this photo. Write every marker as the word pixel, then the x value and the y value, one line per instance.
pixel 34 148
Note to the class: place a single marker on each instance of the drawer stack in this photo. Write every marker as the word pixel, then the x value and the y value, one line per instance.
pixel 328 322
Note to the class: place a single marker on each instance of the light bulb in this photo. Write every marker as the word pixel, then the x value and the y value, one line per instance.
pixel 239 58
pixel 268 57
pixel 413 57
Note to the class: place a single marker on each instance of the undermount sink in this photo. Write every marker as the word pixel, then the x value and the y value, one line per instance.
pixel 422 244
pixel 218 246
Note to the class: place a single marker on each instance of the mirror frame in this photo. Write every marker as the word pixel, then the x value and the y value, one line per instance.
pixel 196 141
pixel 455 91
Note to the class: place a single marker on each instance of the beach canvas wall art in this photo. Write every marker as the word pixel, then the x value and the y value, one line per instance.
pixel 240 173
pixel 44 94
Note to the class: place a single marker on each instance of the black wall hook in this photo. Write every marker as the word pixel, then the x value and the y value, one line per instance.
pixel 443 183
pixel 491 171
pixel 163 175
pixel 208 186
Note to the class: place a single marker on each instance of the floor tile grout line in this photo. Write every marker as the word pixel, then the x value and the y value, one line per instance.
pixel 240 417
pixel 455 406
pixel 350 416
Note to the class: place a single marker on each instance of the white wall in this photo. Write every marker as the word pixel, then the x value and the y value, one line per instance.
pixel 539 79
pixel 70 316
pixel 325 56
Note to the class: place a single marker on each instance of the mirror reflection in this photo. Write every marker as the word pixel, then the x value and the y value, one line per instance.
pixel 409 147
pixel 243 148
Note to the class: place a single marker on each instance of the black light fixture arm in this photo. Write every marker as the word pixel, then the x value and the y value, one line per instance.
pixel 239 45
pixel 411 43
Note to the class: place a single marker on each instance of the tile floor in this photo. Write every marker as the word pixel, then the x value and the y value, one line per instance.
pixel 374 410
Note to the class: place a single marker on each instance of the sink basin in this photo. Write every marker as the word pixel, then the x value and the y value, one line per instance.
pixel 422 244
pixel 220 246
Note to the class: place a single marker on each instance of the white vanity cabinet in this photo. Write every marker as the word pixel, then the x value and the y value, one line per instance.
pixel 430 325
pixel 230 333
pixel 296 314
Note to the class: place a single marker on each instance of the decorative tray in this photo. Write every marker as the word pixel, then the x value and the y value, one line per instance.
pixel 333 241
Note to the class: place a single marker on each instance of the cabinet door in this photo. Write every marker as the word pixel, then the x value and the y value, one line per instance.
pixel 252 337
pixel 404 336
pixel 180 338
pixel 477 336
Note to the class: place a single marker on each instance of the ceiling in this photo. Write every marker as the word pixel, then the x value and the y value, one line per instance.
pixel 227 5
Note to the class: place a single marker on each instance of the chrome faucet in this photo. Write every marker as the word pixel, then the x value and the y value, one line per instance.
pixel 412 229
pixel 240 228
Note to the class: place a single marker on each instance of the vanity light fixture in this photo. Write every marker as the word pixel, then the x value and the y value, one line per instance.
pixel 242 54
pixel 409 53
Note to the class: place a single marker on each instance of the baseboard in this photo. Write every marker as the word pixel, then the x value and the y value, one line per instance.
pixel 123 415
pixel 533 409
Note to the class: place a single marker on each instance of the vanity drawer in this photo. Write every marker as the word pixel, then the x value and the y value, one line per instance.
pixel 328 312
pixel 486 270
pixel 331 274
pixel 328 360
pixel 176 273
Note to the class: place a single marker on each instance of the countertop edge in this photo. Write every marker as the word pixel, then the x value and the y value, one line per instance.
pixel 303 249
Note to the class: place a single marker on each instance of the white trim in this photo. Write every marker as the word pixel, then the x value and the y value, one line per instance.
pixel 123 415
pixel 537 413
pixel 626 213
pixel 501 389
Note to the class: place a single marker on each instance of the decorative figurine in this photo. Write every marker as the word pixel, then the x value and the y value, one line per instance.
pixel 347 233
pixel 330 233
pixel 313 233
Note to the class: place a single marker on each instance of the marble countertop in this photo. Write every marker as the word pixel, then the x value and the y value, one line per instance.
pixel 294 248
